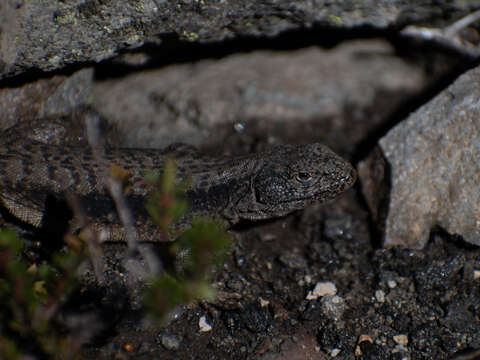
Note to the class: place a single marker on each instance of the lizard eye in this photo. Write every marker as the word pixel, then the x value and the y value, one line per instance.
pixel 303 176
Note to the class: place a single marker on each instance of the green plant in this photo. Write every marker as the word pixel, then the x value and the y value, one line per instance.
pixel 200 247
pixel 31 299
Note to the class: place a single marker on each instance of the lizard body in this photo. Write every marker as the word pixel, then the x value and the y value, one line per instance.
pixel 252 187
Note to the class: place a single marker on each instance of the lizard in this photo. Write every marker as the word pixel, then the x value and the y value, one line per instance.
pixel 36 172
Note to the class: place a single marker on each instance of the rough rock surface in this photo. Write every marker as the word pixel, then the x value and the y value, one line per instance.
pixel 49 34
pixel 435 167
pixel 54 96
pixel 325 93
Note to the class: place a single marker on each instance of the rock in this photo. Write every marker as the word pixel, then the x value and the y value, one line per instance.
pixel 380 296
pixel 333 306
pixel 476 274
pixel 435 169
pixel 293 260
pixel 54 96
pixel 312 93
pixel 364 338
pixel 170 341
pixel 374 172
pixel 334 352
pixel 392 284
pixel 203 324
pixel 49 35
pixel 401 339
pixel 322 289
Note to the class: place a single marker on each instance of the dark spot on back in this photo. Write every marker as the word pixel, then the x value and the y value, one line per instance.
pixel 27 170
pixel 51 171
pixel 28 147
pixel 214 198
pixel 87 156
pixel 203 184
pixel 76 177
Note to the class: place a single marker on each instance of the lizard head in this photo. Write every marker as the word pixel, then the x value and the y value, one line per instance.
pixel 294 176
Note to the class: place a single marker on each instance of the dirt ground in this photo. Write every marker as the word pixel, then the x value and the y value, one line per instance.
pixel 389 303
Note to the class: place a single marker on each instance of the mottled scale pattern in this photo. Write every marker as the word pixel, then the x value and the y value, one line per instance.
pixel 253 187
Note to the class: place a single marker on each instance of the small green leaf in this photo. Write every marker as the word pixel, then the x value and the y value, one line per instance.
pixel 40 291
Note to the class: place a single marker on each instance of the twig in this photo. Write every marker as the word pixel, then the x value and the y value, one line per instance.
pixel 447 37
pixel 461 23
pixel 115 188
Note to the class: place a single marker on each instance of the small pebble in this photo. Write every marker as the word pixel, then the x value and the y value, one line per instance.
pixel 269 237
pixel 239 127
pixel 333 306
pixel 128 347
pixel 362 338
pixel 204 325
pixel 401 339
pixel 380 296
pixel 400 349
pixel 322 289
pixel 293 260
pixel 263 302
pixel 334 352
pixel 476 274
pixel 392 284
pixel 170 342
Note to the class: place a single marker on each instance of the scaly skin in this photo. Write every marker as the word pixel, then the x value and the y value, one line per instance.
pixel 253 187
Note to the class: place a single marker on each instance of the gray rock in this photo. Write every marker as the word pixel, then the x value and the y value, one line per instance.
pixel 435 167
pixel 50 34
pixel 333 306
pixel 74 91
pixel 312 93
pixel 169 341
pixel 293 260
pixel 55 96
